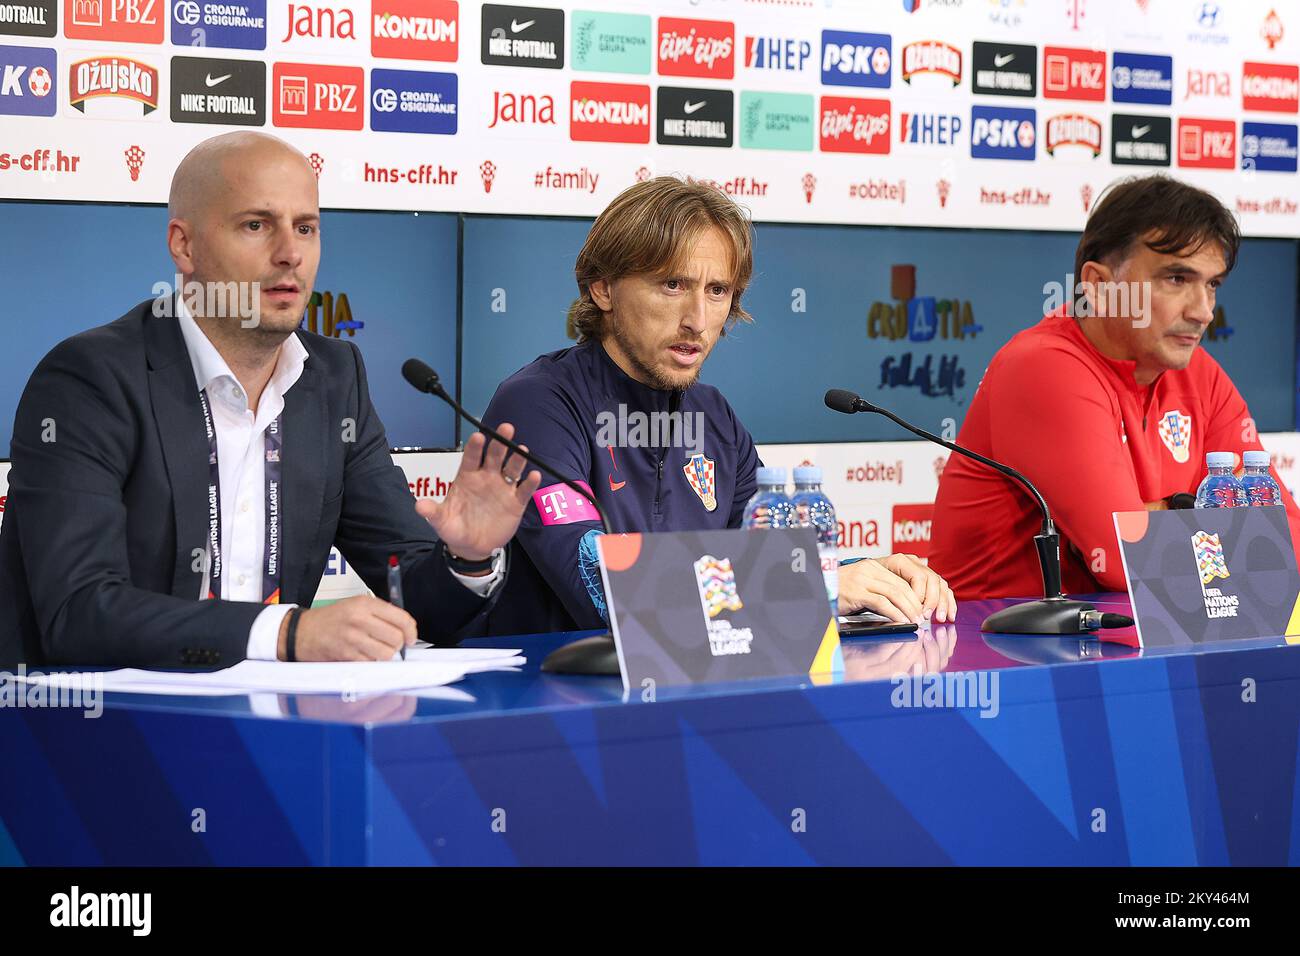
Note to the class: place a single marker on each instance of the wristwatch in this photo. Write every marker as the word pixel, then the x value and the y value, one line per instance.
pixel 464 565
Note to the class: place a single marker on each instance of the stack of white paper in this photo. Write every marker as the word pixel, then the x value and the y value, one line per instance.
pixel 423 668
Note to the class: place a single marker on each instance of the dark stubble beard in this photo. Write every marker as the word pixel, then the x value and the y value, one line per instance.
pixel 648 373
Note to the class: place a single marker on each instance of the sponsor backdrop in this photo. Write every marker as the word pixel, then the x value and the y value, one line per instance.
pixel 387 282
pixel 1014 113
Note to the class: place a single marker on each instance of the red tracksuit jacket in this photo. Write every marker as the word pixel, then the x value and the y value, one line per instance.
pixel 1093 441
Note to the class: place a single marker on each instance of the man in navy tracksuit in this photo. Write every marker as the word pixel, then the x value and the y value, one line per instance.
pixel 622 414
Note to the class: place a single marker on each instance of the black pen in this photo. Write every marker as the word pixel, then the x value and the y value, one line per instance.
pixel 395 590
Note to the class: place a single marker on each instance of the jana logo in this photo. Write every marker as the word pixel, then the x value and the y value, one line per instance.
pixel 1176 432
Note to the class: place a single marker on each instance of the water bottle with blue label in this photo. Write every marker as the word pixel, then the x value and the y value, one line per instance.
pixel 1220 489
pixel 814 510
pixel 770 507
pixel 1258 484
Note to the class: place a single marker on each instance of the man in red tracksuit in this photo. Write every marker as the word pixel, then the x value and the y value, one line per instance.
pixel 1106 405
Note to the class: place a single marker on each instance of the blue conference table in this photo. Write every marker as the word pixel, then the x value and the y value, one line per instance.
pixel 1021 751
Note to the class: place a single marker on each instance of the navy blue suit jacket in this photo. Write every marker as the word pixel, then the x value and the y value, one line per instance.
pixel 104 529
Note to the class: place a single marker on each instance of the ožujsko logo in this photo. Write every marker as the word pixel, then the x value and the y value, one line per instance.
pixel 931 56
pixel 112 76
pixel 716 580
pixel 1073 129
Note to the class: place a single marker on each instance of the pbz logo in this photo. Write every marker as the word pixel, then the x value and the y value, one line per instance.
pixel 856 59
pixel 1003 133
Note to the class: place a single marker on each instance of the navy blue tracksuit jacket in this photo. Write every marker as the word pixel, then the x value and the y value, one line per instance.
pixel 586 417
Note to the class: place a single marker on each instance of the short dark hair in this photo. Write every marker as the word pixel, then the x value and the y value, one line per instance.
pixel 1173 216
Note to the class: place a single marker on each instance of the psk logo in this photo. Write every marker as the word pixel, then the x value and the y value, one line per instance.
pixel 1209 556
pixel 717 581
pixel 1176 433
pixel 700 472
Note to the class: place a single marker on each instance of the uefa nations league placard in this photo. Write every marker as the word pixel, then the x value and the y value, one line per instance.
pixel 696 607
pixel 1210 574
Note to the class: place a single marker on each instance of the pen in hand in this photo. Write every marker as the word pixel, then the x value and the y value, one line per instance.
pixel 395 589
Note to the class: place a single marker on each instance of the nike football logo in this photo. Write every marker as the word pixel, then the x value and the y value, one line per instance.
pixel 688 108
pixel 221 79
pixel 1140 131
pixel 613 485
pixel 516 26
pixel 1002 59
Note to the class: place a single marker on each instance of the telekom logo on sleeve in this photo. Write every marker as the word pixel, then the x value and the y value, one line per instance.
pixel 558 504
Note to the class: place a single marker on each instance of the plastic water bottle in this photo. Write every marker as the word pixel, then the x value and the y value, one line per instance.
pixel 1220 489
pixel 770 507
pixel 814 510
pixel 1258 484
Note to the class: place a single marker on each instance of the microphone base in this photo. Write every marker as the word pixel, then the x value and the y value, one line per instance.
pixel 593 656
pixel 1054 615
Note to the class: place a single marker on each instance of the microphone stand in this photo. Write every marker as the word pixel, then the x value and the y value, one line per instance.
pixel 595 655
pixel 1053 613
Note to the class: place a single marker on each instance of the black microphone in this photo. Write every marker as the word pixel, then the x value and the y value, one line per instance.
pixel 594 655
pixel 1054 613
pixel 425 379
